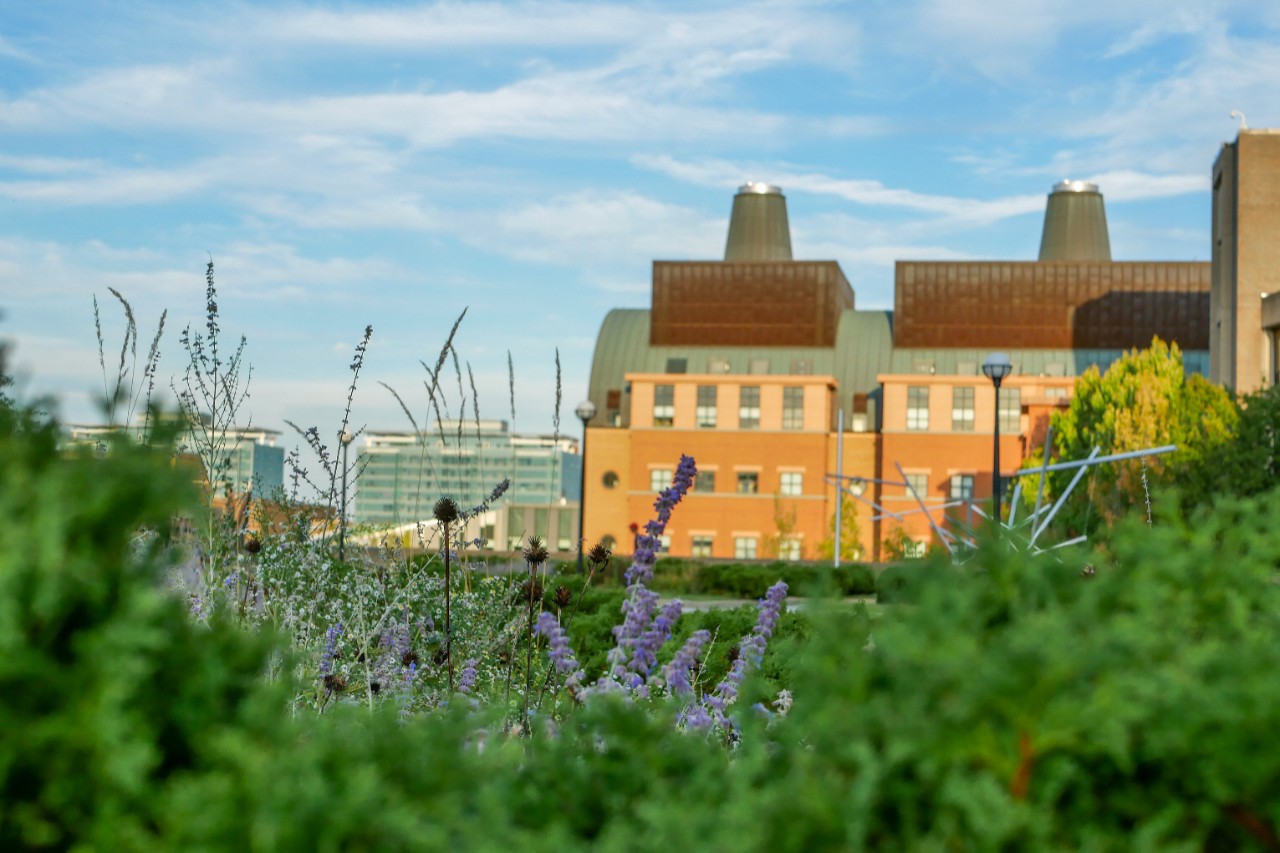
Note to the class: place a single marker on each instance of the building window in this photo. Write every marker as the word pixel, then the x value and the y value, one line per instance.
pixel 660 478
pixel 749 407
pixel 792 408
pixel 748 482
pixel 962 409
pixel 791 483
pixel 610 479
pixel 701 546
pixel 664 544
pixel 919 483
pixel 1009 410
pixel 789 548
pixel 918 407
pixel 744 547
pixel 962 487
pixel 664 405
pixel 705 481
pixel 706 413
pixel 1056 392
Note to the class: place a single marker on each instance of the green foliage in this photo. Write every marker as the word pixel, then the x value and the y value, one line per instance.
pixel 1250 464
pixel 111 690
pixel 850 541
pixel 1100 701
pixel 1145 399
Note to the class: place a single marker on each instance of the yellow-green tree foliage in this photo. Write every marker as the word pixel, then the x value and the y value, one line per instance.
pixel 850 541
pixel 1145 399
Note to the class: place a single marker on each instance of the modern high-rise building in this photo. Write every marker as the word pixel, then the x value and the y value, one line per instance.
pixel 1245 311
pixel 251 455
pixel 403 474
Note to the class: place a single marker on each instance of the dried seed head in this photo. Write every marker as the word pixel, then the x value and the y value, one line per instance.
pixel 445 511
pixel 535 553
pixel 252 545
pixel 439 656
pixel 734 651
pixel 335 683
pixel 375 687
pixel 409 658
pixel 531 591
pixel 599 553
pixel 564 596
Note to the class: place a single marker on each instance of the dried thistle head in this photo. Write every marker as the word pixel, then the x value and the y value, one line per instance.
pixel 409 658
pixel 252 545
pixel 564 596
pixel 734 651
pixel 375 687
pixel 535 553
pixel 335 683
pixel 531 590
pixel 445 510
pixel 599 553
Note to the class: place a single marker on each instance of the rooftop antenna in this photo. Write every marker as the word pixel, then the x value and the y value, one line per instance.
pixel 1239 115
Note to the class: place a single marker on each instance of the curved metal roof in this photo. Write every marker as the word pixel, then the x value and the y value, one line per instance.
pixel 862 351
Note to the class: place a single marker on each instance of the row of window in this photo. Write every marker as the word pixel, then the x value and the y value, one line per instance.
pixel 664 407
pixel 960 487
pixel 747 547
pixel 790 483
pixel 1008 408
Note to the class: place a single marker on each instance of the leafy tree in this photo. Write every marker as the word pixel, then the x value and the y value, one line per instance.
pixel 1145 399
pixel 1250 464
pixel 850 543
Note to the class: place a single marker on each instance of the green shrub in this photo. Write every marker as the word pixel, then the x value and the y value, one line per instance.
pixel 1100 701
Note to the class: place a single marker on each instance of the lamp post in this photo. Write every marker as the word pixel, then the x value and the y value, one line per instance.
pixel 345 440
pixel 586 411
pixel 996 368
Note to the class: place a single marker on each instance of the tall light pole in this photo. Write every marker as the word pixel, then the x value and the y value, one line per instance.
pixel 586 411
pixel 996 368
pixel 345 440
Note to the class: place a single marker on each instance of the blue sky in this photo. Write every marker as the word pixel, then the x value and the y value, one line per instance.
pixel 390 164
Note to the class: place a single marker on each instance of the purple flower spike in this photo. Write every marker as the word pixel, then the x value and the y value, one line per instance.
pixel 467 681
pixel 558 649
pixel 677 672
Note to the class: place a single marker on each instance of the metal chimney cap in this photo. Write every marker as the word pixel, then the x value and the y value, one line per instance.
pixel 759 188
pixel 1075 187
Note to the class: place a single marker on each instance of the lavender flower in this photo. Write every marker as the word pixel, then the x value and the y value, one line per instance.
pixel 647 545
pixel 678 671
pixel 558 650
pixel 644 655
pixel 750 653
pixel 467 680
pixel 330 649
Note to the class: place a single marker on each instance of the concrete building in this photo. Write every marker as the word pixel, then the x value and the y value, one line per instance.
pixel 402 474
pixel 1246 260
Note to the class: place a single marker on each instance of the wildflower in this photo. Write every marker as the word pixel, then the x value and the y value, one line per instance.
pixel 558 650
pixel 599 553
pixel 678 671
pixel 445 511
pixel 535 553
pixel 467 680
pixel 330 649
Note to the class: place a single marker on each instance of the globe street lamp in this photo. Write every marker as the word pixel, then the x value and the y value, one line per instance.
pixel 586 411
pixel 996 368
pixel 345 439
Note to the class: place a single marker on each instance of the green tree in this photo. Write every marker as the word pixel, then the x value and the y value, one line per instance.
pixel 1145 399
pixel 850 541
pixel 1250 463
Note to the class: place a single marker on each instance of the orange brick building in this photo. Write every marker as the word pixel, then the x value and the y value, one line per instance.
pixel 762 368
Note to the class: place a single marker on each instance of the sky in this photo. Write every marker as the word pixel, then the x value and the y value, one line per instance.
pixel 393 164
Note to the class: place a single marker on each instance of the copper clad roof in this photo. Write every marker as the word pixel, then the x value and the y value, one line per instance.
pixel 1054 305
pixel 783 304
